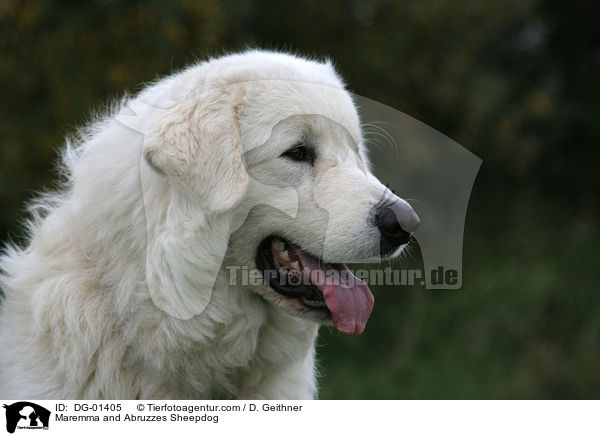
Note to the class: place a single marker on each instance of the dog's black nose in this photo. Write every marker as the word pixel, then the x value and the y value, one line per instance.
pixel 390 227
pixel 396 223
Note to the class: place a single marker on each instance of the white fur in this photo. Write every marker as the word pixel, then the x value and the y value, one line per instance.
pixel 145 221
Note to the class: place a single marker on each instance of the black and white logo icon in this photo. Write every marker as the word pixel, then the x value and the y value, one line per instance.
pixel 26 415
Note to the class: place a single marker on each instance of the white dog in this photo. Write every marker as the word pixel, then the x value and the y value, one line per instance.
pixel 125 288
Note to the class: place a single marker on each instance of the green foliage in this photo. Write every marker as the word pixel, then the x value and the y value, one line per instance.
pixel 514 81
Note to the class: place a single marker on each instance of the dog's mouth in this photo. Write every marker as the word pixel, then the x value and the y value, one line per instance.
pixel 329 288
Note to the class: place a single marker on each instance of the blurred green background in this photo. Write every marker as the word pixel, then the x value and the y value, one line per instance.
pixel 515 82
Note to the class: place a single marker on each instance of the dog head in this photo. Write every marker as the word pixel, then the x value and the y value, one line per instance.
pixel 265 165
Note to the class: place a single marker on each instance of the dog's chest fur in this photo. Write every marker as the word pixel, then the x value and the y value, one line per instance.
pixel 239 347
pixel 250 350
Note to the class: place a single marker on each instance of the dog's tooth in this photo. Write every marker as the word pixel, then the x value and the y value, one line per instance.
pixel 295 265
pixel 284 255
pixel 278 244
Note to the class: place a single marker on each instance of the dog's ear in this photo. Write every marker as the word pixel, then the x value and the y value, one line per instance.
pixel 195 142
pixel 198 146
pixel 184 255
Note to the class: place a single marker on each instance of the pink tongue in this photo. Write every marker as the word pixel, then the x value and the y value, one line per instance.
pixel 348 298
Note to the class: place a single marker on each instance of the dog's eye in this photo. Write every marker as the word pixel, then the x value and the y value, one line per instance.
pixel 300 153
